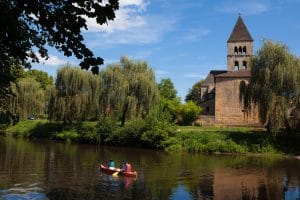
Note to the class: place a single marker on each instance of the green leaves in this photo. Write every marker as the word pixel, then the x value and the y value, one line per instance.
pixel 273 86
pixel 30 25
pixel 75 94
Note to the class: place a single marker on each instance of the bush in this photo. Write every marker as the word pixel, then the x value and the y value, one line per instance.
pixel 105 127
pixel 189 112
pixel 88 133
pixel 129 134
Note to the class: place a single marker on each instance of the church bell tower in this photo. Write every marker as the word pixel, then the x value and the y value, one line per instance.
pixel 239 47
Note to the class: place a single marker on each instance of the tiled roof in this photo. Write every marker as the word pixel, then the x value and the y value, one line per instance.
pixel 240 32
pixel 235 74
pixel 211 76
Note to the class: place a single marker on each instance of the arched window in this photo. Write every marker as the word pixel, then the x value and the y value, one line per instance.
pixel 235 50
pixel 240 50
pixel 236 65
pixel 244 50
pixel 245 64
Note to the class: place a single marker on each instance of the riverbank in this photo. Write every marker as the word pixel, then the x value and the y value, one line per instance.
pixel 240 140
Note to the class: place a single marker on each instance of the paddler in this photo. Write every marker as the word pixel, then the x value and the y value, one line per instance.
pixel 111 164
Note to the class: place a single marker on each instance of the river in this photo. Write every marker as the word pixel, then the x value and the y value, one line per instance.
pixel 41 169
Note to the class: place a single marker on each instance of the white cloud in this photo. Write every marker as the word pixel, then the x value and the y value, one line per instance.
pixel 150 32
pixel 128 16
pixel 131 26
pixel 244 7
pixel 52 60
pixel 141 4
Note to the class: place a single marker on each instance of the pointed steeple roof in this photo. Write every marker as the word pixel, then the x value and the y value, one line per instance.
pixel 240 32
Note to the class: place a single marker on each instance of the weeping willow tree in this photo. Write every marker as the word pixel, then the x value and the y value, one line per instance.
pixel 274 85
pixel 128 89
pixel 27 99
pixel 75 96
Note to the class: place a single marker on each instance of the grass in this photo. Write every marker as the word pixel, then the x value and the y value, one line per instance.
pixel 82 132
pixel 234 140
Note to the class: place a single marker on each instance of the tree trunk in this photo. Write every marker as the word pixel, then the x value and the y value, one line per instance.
pixel 287 126
pixel 124 114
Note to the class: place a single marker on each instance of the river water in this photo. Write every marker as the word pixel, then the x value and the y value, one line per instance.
pixel 49 170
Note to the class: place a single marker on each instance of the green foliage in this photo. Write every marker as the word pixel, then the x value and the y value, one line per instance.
pixel 10 71
pixel 189 112
pixel 142 133
pixel 212 140
pixel 273 86
pixel 76 92
pixel 41 77
pixel 129 90
pixel 194 94
pixel 31 25
pixel 106 126
pixel 166 89
pixel 28 99
pixel 129 134
pixel 159 130
pixel 153 131
pixel 24 128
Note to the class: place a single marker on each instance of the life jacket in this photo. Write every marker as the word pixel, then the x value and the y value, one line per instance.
pixel 128 167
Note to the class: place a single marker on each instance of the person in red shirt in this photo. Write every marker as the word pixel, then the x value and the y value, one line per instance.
pixel 126 167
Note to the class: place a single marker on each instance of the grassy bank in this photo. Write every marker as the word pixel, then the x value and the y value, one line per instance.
pixel 236 140
pixel 138 133
pixel 83 132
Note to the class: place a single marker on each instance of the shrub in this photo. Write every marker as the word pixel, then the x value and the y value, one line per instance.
pixel 105 127
pixel 189 112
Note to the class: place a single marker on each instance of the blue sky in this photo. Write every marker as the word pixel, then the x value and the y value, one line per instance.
pixel 185 39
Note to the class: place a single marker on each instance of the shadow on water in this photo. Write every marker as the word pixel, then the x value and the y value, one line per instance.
pixel 48 170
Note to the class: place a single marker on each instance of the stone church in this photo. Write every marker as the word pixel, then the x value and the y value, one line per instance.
pixel 220 96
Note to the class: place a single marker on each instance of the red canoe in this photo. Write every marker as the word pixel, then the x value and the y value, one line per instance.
pixel 120 172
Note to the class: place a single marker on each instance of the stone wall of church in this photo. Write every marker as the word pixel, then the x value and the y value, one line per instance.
pixel 240 57
pixel 208 107
pixel 228 110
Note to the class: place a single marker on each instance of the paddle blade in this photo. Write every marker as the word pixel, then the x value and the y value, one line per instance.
pixel 115 174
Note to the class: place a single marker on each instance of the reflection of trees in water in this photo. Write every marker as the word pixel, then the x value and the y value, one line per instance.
pixel 70 172
pixel 259 193
pixel 205 187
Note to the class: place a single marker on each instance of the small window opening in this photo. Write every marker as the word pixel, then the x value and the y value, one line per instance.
pixel 244 64
pixel 240 50
pixel 236 65
pixel 235 50
pixel 244 50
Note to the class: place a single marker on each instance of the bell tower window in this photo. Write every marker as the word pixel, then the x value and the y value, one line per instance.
pixel 245 64
pixel 236 65
pixel 235 50
pixel 244 50
pixel 240 50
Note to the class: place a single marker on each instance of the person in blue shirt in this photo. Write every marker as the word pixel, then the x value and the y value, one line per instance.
pixel 111 164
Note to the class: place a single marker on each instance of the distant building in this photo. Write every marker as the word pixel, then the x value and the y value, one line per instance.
pixel 220 96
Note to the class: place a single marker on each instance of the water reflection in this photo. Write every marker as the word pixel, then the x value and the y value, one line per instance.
pixel 49 170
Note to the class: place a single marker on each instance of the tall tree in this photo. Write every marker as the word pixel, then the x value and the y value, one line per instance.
pixel 75 96
pixel 7 76
pixel 273 86
pixel 27 26
pixel 194 94
pixel 42 77
pixel 129 88
pixel 27 99
pixel 166 89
